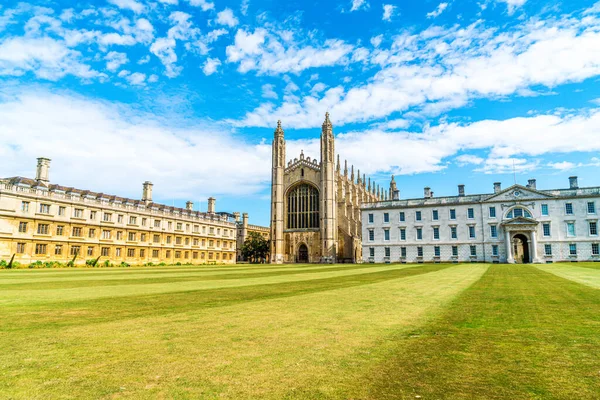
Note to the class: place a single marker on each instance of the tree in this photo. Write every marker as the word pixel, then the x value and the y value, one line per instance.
pixel 255 248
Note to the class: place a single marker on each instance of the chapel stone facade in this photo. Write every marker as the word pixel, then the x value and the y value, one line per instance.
pixel 315 205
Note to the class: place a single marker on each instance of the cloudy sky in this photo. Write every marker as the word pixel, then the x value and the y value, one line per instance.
pixel 186 93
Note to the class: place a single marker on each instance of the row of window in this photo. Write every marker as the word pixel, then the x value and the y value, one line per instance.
pixel 436 251
pixel 435 231
pixel 42 249
pixel 514 213
pixel 44 229
pixel 595 247
pixel 133 220
pixel 546 230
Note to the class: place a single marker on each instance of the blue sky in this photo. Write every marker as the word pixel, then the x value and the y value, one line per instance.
pixel 186 93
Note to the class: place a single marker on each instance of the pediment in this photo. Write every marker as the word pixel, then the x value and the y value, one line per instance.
pixel 518 193
pixel 304 163
pixel 520 221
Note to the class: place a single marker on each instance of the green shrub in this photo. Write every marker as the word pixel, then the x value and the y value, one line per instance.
pixel 162 264
pixel 125 265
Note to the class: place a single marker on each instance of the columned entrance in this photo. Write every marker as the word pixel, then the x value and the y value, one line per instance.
pixel 521 251
pixel 521 240
pixel 303 253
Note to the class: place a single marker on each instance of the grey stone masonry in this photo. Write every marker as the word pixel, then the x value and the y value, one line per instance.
pixel 514 225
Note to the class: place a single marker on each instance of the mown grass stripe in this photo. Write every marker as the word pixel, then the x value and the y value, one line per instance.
pixel 24 317
pixel 81 293
pixel 518 333
pixel 137 279
pixel 580 274
pixel 306 346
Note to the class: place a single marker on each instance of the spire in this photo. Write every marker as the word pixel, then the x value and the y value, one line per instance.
pixel 327 122
pixel 279 130
pixel 346 168
pixel 358 179
pixel 364 181
pixel 302 154
pixel 338 163
pixel 369 187
pixel 352 175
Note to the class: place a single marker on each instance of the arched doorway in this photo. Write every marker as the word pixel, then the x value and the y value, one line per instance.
pixel 521 249
pixel 302 254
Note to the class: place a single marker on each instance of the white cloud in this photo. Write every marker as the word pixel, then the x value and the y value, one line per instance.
pixel 210 66
pixel 264 52
pixel 114 60
pixel 433 146
pixel 469 159
pixel 132 5
pixel 444 68
pixel 376 40
pixel 171 2
pixel 123 141
pixel 388 11
pixel 164 48
pixel 562 166
pixel 203 4
pixel 144 60
pixel 440 9
pixel 596 101
pixel 358 4
pixel 47 58
pixel 268 91
pixel 244 7
pixel 153 78
pixel 226 17
pixel 513 4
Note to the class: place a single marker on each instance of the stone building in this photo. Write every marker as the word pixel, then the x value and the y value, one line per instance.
pixel 520 224
pixel 315 205
pixel 40 221
pixel 243 231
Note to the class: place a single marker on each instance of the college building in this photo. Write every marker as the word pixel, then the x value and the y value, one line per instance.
pixel 520 224
pixel 40 221
pixel 244 230
pixel 315 204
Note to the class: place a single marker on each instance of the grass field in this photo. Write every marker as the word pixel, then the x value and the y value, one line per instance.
pixel 302 332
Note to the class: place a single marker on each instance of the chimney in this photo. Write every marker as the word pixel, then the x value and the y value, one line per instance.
pixel 573 182
pixel 396 195
pixel 237 216
pixel 189 206
pixel 245 219
pixel 532 184
pixel 211 205
pixel 43 170
pixel 427 192
pixel 497 187
pixel 461 190
pixel 147 192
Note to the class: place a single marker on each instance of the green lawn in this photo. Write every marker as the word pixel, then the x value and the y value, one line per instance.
pixel 302 332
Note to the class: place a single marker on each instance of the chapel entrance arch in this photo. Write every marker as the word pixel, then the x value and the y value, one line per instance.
pixel 302 254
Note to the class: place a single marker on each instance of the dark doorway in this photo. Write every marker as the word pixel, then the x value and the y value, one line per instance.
pixel 303 254
pixel 521 249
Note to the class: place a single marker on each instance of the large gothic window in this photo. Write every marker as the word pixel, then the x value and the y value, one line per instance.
pixel 303 208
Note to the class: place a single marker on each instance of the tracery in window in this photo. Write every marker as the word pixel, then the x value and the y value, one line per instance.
pixel 303 207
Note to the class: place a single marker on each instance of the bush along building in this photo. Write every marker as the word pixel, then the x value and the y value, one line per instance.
pixel 40 221
pixel 520 224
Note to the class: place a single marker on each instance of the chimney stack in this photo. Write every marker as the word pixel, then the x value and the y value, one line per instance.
pixel 211 205
pixel 532 184
pixel 189 206
pixel 245 219
pixel 43 170
pixel 427 192
pixel 573 182
pixel 236 215
pixel 497 187
pixel 461 190
pixel 147 192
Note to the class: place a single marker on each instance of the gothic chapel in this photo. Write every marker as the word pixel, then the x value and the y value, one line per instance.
pixel 315 206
